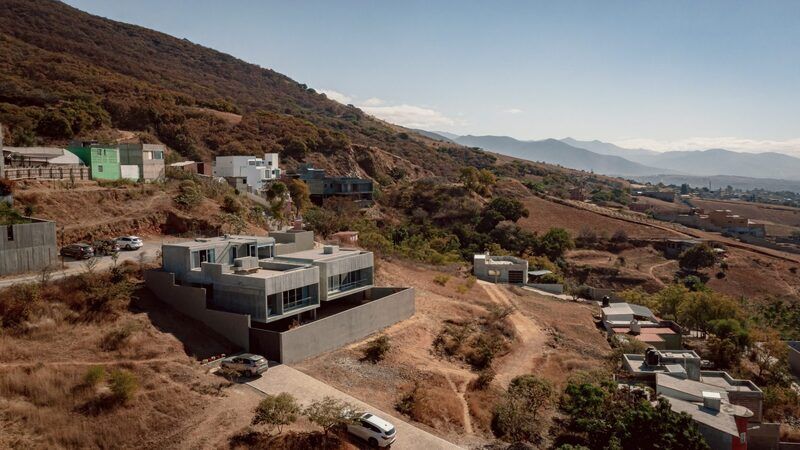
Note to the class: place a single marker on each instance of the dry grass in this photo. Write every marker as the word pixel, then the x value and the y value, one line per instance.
pixel 431 401
pixel 481 407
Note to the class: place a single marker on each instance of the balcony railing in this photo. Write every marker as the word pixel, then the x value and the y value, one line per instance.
pixel 350 286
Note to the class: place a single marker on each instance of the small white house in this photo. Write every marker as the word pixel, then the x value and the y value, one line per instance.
pixel 253 171
pixel 500 269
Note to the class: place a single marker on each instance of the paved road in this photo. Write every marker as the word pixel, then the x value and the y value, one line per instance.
pixel 72 267
pixel 306 389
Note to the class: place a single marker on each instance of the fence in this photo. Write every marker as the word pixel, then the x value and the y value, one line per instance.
pixel 47 173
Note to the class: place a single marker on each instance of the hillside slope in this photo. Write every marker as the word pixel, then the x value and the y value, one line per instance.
pixel 67 73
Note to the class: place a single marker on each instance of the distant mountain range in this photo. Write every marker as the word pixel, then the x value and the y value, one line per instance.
pixel 610 159
pixel 553 151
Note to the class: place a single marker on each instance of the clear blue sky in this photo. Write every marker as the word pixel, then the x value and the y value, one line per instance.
pixel 659 73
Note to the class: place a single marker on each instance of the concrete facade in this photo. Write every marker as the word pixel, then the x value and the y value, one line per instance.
pixel 27 247
pixel 281 296
pixel 382 308
pixel 248 170
pixel 191 301
pixel 322 186
pixel 500 269
pixel 148 158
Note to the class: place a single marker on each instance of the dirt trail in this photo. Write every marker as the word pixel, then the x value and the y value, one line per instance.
pixel 465 407
pixel 531 339
pixel 652 268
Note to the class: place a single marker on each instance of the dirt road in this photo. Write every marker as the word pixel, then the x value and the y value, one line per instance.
pixel 531 338
pixel 307 389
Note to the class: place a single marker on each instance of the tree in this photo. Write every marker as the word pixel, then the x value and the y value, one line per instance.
pixel 330 413
pixel 517 417
pixel 276 411
pixel 601 415
pixel 301 195
pixel 511 209
pixel 555 243
pixel 697 257
pixel 769 353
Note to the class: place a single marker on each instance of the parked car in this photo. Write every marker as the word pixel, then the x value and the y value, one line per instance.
pixel 106 247
pixel 246 364
pixel 78 251
pixel 376 431
pixel 130 242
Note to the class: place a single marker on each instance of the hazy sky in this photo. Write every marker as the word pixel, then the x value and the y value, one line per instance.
pixel 659 74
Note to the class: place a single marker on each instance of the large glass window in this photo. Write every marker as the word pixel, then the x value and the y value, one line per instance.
pixel 201 256
pixel 349 280
pixel 296 298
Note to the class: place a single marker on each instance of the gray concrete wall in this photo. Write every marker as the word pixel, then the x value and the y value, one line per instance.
pixel 348 326
pixel 794 357
pixel 551 288
pixel 191 301
pixel 763 436
pixel 292 241
pixel 716 440
pixel 32 249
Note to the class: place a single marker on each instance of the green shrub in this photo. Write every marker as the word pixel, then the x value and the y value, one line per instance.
pixel 276 411
pixel 94 375
pixel 123 385
pixel 441 280
pixel 189 195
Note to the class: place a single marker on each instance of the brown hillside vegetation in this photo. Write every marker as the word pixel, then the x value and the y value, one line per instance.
pixel 551 338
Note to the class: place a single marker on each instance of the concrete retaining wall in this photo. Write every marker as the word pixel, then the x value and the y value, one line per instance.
pixel 391 306
pixel 32 248
pixel 551 288
pixel 763 436
pixel 191 301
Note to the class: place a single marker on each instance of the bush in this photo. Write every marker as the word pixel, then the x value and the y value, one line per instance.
pixel 484 379
pixel 441 280
pixel 517 418
pixel 275 411
pixel 330 413
pixel 123 385
pixel 232 205
pixel 116 339
pixel 189 195
pixel 6 187
pixel 377 349
pixel 94 375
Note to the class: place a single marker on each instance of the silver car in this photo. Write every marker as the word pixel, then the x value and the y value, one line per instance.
pixel 371 428
pixel 130 242
pixel 246 364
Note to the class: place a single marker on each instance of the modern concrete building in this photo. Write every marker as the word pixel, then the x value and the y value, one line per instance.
pixel 148 159
pixel 103 160
pixel 278 295
pixel 638 322
pixel 26 244
pixel 500 269
pixel 249 171
pixel 728 411
pixel 322 186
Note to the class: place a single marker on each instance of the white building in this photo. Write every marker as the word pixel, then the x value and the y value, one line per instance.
pixel 252 171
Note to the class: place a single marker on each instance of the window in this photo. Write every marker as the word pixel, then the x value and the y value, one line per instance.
pixel 349 280
pixel 10 232
pixel 201 256
pixel 233 254
pixel 158 155
pixel 296 298
pixel 100 168
pixel 251 250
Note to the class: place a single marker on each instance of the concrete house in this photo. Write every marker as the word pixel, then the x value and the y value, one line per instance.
pixel 500 269
pixel 248 171
pixel 26 244
pixel 148 159
pixel 728 411
pixel 639 323
pixel 103 160
pixel 322 186
pixel 279 295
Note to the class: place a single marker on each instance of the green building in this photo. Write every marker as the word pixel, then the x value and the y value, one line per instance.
pixel 103 160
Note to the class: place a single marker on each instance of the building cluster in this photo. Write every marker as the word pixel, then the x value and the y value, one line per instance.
pixel 722 220
pixel 511 270
pixel 727 411
pixel 85 160
pixel 279 295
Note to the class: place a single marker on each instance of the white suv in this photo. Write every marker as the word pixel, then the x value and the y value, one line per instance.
pixel 130 242
pixel 373 429
pixel 246 364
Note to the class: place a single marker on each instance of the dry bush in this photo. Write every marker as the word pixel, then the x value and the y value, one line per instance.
pixel 477 342
pixel 481 406
pixel 117 338
pixel 441 280
pixel 790 433
pixel 250 439
pixel 433 403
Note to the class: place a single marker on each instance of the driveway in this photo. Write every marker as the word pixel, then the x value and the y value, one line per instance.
pixel 73 267
pixel 306 389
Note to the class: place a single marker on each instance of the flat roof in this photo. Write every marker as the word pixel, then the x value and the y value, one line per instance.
pixel 318 254
pixel 203 242
pixel 724 381
pixel 723 420
pixel 645 330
